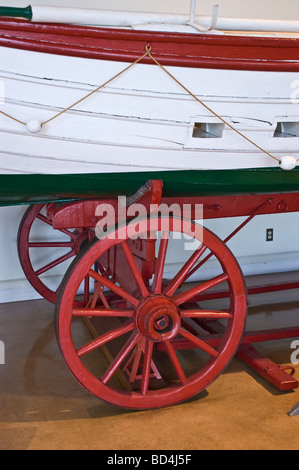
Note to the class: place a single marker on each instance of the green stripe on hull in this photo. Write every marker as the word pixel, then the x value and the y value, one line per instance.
pixel 30 189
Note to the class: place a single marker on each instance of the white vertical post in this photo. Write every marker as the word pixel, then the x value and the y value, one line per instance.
pixel 192 11
pixel 2 353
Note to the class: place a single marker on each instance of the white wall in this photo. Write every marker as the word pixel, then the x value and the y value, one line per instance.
pixel 12 282
pixel 250 247
pixel 289 9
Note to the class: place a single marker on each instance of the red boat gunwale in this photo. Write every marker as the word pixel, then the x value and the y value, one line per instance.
pixel 174 49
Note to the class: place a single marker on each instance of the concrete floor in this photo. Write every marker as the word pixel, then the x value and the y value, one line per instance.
pixel 43 407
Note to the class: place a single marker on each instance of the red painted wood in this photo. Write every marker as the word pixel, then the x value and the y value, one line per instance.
pixel 188 50
pixel 26 247
pixel 273 373
pixel 277 375
pixel 127 266
pixel 82 214
pixel 157 320
pixel 250 291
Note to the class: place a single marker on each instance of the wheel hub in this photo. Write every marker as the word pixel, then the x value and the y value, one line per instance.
pixel 158 319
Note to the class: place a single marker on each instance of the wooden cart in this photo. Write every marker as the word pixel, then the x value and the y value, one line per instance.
pixel 148 330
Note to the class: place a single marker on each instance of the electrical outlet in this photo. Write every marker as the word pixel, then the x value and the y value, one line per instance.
pixel 269 235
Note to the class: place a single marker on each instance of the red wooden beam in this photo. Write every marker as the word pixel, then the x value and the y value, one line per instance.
pixel 273 373
pixel 254 290
pixel 176 49
pixel 83 213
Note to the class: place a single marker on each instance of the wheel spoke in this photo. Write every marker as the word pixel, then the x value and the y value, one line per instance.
pixel 190 293
pixel 50 244
pixel 208 314
pixel 68 233
pixel 44 219
pixel 157 284
pixel 62 230
pixel 86 289
pixel 200 264
pixel 133 364
pixel 28 245
pixel 183 273
pixel 102 312
pixel 116 363
pixel 134 269
pixel 147 367
pixel 55 263
pixel 199 343
pixel 175 362
pixel 111 286
pixel 105 338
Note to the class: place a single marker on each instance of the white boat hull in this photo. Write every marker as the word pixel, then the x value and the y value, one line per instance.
pixel 143 120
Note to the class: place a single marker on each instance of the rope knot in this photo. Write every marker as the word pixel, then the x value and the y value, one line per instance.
pixel 148 49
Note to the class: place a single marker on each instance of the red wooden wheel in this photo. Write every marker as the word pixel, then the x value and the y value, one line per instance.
pixel 154 331
pixel 42 253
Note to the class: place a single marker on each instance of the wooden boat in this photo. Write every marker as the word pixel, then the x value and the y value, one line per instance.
pixel 90 111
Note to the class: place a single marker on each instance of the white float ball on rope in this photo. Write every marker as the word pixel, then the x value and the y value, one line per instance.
pixel 34 126
pixel 288 162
